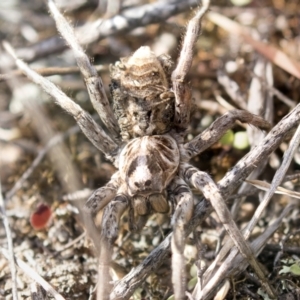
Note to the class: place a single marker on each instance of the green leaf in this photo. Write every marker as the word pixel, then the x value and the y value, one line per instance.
pixel 285 269
pixel 288 261
pixel 295 269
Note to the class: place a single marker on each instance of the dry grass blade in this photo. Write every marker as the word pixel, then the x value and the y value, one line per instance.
pixel 236 263
pixel 34 275
pixel 10 251
pixel 279 176
pixel 265 186
pixel 275 55
pixel 289 102
pixel 260 102
pixel 232 89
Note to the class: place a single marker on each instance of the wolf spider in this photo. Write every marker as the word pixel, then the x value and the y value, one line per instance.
pixel 147 126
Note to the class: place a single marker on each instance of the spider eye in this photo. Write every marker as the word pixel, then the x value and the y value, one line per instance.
pixel 148 182
pixel 149 113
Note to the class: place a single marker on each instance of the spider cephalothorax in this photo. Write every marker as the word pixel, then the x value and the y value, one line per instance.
pixel 148 164
pixel 152 108
pixel 142 100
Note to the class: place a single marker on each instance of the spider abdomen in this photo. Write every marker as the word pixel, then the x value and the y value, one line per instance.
pixel 148 164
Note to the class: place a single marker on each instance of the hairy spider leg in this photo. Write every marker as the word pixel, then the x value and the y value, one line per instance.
pixel 93 82
pixel 102 196
pixel 98 137
pixel 219 127
pixel 181 88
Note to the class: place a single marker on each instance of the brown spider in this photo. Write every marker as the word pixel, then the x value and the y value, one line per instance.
pixel 148 123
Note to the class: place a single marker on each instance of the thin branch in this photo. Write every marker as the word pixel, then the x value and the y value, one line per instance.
pixel 70 244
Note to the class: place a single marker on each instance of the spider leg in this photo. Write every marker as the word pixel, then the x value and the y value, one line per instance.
pixel 89 127
pixel 93 82
pixel 110 228
pixel 179 76
pixel 218 128
pixel 102 196
pixel 181 194
pixel 202 181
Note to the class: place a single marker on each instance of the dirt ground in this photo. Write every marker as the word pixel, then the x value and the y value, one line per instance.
pixel 44 156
